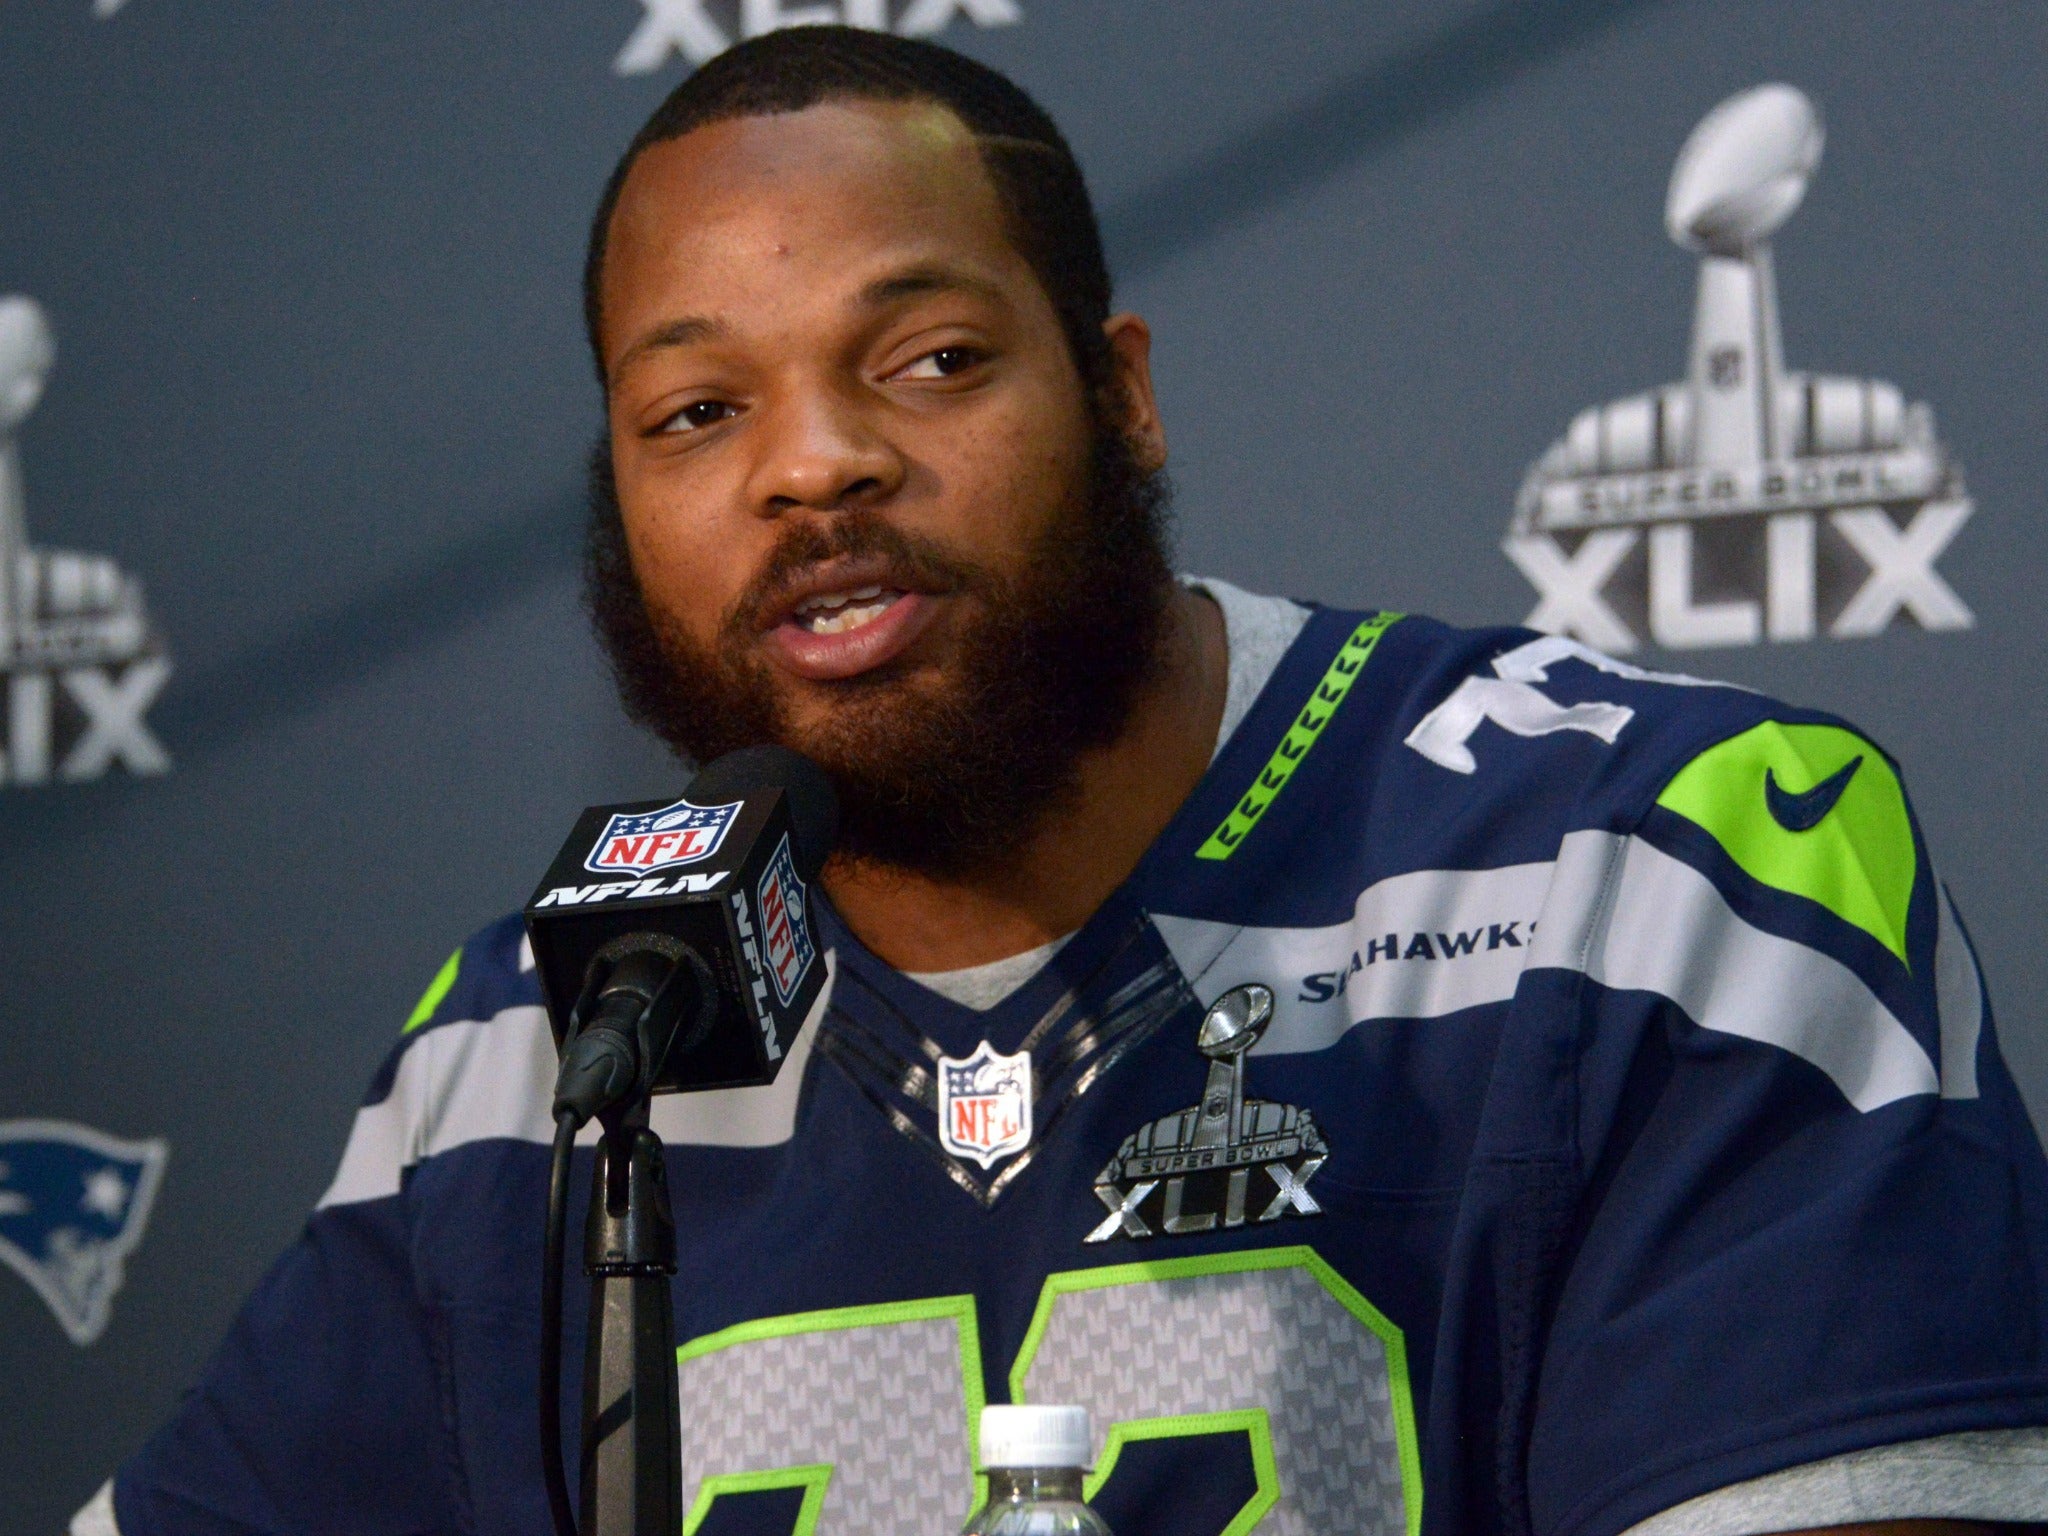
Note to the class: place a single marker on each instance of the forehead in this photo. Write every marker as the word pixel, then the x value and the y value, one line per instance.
pixel 818 193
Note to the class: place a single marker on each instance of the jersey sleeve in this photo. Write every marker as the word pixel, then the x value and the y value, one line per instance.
pixel 1814 1213
pixel 325 1407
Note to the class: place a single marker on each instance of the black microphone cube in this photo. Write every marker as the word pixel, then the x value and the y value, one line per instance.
pixel 720 878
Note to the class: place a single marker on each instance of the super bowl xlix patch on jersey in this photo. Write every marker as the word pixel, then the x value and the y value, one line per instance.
pixel 1199 1163
pixel 1518 1092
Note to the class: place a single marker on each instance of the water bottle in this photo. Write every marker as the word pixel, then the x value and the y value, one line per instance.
pixel 1034 1457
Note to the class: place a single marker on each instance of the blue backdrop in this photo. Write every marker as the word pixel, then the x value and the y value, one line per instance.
pixel 317 405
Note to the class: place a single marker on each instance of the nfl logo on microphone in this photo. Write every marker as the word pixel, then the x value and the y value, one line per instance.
pixel 783 929
pixel 644 842
pixel 985 1104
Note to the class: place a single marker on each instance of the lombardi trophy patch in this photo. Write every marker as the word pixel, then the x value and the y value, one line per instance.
pixel 985 1104
pixel 1220 1163
pixel 73 1204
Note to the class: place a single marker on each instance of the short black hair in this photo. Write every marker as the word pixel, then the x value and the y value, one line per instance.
pixel 1037 179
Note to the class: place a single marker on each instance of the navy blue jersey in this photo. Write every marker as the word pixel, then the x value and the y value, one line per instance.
pixel 1625 1121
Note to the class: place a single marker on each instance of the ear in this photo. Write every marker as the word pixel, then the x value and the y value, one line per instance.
pixel 1130 346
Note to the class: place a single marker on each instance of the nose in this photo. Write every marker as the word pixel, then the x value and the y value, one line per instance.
pixel 820 452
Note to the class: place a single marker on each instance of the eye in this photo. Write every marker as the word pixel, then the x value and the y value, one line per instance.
pixel 698 415
pixel 942 364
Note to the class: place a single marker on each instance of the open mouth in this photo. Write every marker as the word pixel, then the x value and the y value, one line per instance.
pixel 836 613
pixel 843 631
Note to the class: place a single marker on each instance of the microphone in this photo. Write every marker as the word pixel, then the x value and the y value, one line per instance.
pixel 696 964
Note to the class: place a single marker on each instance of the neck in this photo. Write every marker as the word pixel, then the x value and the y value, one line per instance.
pixel 1128 791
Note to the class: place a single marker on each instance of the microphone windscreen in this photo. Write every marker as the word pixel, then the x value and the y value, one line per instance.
pixel 813 803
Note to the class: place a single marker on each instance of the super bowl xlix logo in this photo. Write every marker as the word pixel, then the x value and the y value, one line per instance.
pixel 1745 503
pixel 79 660
pixel 700 30
pixel 1223 1162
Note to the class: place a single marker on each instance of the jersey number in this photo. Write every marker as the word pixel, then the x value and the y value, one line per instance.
pixel 1512 701
pixel 864 1418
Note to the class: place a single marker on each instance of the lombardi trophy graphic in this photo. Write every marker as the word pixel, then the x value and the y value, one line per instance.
pixel 79 659
pixel 1763 503
pixel 26 352
pixel 1193 1171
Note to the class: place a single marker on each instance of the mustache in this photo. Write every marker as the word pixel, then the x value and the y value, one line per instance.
pixel 913 564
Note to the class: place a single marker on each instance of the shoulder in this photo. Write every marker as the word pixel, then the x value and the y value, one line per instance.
pixel 1639 724
pixel 1385 744
pixel 1765 798
pixel 472 1063
pixel 1755 862
pixel 490 977
pixel 484 992
pixel 492 970
pixel 1506 714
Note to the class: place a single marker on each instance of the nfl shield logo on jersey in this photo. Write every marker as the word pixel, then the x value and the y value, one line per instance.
pixel 783 929
pixel 73 1203
pixel 985 1104
pixel 642 842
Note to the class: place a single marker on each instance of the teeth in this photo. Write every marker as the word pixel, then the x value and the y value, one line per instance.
pixel 851 612
pixel 830 600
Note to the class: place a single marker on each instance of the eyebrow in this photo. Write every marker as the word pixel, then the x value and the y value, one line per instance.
pixel 914 282
pixel 684 332
pixel 917 282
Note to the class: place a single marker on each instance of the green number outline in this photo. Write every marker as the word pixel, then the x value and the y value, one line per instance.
pixel 812 1479
pixel 815 1476
pixel 1400 1390
pixel 1255 1422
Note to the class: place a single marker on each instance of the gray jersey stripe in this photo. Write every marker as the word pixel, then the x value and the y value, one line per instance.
pixel 478 1080
pixel 1961 997
pixel 1617 909
pixel 1653 923
pixel 1495 907
pixel 1998 1474
pixel 1419 945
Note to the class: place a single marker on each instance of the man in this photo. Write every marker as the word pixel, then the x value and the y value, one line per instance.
pixel 1396 1078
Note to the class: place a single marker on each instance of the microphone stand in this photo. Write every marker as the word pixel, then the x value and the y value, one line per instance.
pixel 632 1444
pixel 645 999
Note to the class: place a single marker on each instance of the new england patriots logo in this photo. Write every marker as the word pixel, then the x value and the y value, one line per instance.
pixel 73 1204
pixel 641 842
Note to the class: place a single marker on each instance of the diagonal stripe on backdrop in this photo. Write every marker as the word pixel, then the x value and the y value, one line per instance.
pixel 324 654
pixel 1347 121
pixel 318 659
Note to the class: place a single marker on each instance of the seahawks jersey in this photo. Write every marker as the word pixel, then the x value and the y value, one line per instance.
pixel 1518 1092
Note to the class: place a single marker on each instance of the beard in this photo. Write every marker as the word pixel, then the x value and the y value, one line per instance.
pixel 947 776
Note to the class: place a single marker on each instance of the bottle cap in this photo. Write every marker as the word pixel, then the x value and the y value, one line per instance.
pixel 1034 1435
